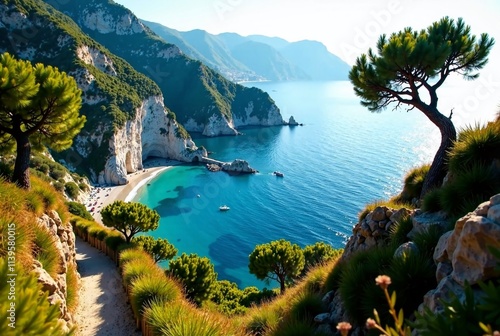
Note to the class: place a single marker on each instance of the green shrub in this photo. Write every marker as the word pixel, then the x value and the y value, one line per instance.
pixel 152 287
pixel 357 286
pixel 35 203
pixel 431 201
pixel 333 278
pixel 306 305
pixel 471 186
pixel 114 240
pixel 57 174
pixel 131 254
pixel 34 314
pixel 45 251
pixel 413 183
pixel 399 231
pixel 50 196
pixel 261 321
pixel 254 296
pixel 83 187
pixel 180 320
pixel 58 186
pixel 79 209
pixel 72 190
pixel 72 287
pixel 463 318
pixel 44 168
pixel 319 253
pixel 427 240
pixel 475 145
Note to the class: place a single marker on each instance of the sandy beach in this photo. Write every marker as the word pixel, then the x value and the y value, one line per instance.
pixel 102 196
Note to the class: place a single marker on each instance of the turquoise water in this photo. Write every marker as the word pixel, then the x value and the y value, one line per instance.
pixel 341 159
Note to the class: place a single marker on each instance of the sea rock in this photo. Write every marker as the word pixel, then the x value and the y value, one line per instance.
pixel 239 167
pixel 292 121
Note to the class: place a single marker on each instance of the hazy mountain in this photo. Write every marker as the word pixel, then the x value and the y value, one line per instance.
pixel 267 61
pixel 257 57
pixel 316 61
pixel 203 100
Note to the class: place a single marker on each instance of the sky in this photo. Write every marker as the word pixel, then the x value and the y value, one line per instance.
pixel 348 28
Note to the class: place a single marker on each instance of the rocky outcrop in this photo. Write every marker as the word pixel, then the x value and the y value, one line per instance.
pixel 373 229
pixel 463 256
pixel 238 167
pixel 64 241
pixel 151 133
pixel 292 121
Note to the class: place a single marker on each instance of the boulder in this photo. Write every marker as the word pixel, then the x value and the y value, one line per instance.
pixel 423 221
pixel 404 249
pixel 292 121
pixel 378 213
pixel 239 167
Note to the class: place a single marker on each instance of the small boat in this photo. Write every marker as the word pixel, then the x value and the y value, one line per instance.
pixel 224 208
pixel 279 174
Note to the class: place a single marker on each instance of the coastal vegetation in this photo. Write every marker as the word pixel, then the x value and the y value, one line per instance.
pixel 160 249
pixel 39 106
pixel 130 218
pixel 410 65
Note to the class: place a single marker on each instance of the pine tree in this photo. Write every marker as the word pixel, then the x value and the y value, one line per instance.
pixel 410 66
pixel 39 106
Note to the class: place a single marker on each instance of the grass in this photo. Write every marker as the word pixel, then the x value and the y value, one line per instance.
pixel 475 145
pixel 137 268
pixel 72 288
pixel 413 182
pixel 399 231
pixel 393 203
pixel 45 251
pixel 152 287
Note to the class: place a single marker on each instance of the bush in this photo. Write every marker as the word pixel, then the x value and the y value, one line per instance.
pixel 58 186
pixel 332 281
pixel 431 201
pixel 413 183
pixel 319 253
pixel 57 174
pixel 79 209
pixel 261 321
pixel 72 287
pixel 357 286
pixel 147 288
pixel 306 305
pixel 475 145
pixel 45 251
pixel 72 190
pixel 44 168
pixel 399 231
pixel 34 314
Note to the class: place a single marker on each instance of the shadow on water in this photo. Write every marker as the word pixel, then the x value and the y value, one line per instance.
pixel 170 206
pixel 229 252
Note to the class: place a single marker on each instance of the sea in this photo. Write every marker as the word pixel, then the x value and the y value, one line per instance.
pixel 342 158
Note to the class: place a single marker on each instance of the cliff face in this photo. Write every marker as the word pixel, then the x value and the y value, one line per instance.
pixel 64 241
pixel 202 99
pixel 150 133
pixel 126 117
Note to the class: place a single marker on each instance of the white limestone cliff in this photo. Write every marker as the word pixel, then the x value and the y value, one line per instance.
pixel 149 133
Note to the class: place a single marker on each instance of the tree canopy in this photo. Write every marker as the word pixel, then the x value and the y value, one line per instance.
pixel 130 218
pixel 196 273
pixel 39 106
pixel 278 260
pixel 160 249
pixel 409 67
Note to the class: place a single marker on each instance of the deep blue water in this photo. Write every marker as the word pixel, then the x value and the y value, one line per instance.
pixel 341 159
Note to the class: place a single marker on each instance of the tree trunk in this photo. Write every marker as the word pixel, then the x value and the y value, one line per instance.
pixel 282 283
pixel 437 171
pixel 21 174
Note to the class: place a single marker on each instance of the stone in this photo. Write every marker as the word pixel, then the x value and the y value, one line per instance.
pixel 445 290
pixel 406 248
pixel 328 297
pixel 238 166
pixel 443 269
pixel 378 213
pixel 495 200
pixel 494 213
pixel 472 261
pixel 441 249
pixel 482 209
pixel 389 213
pixel 292 121
pixel 373 225
pixel 48 284
pixel 424 220
pixel 399 214
pixel 322 318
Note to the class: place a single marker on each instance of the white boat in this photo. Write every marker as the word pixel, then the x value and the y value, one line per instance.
pixel 224 208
